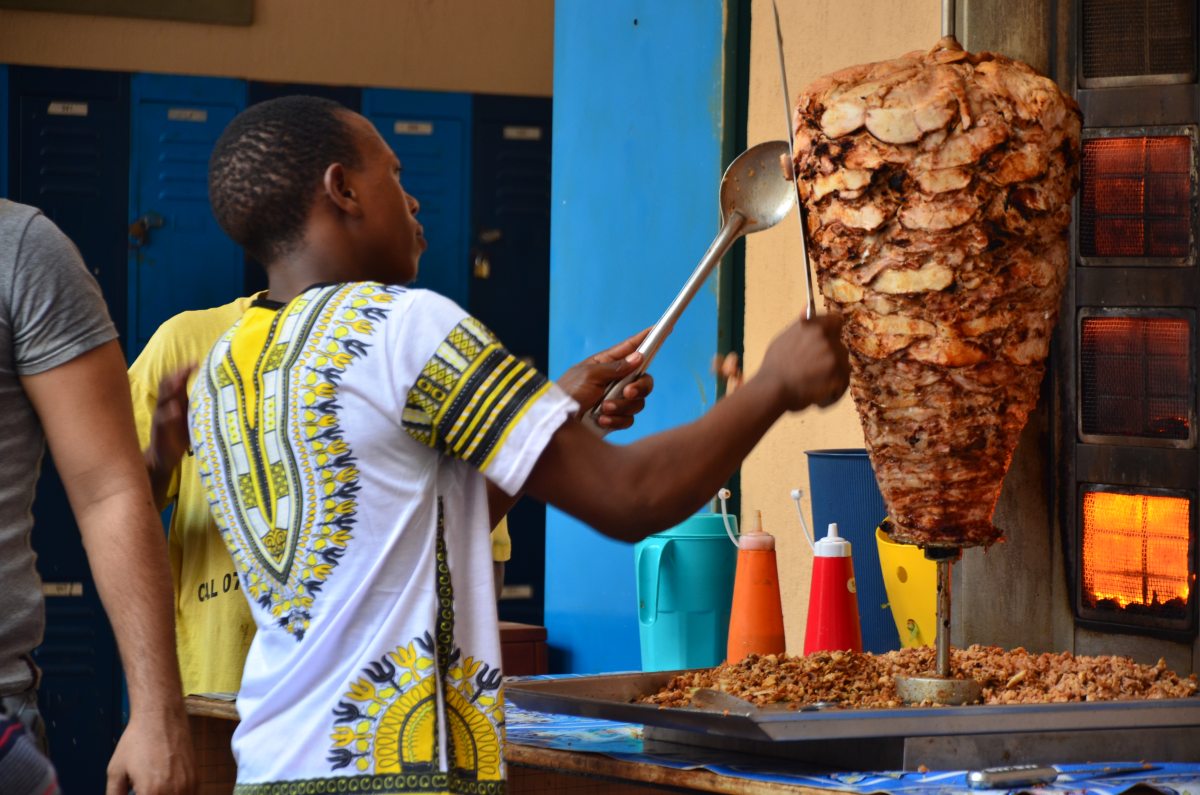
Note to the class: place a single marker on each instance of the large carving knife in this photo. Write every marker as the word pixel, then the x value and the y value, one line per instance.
pixel 810 307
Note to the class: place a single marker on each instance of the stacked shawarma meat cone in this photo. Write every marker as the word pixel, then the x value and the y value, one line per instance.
pixel 938 189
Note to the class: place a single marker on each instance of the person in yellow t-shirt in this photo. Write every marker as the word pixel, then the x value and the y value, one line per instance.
pixel 213 625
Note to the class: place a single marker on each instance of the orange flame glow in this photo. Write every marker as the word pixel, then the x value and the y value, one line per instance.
pixel 1136 197
pixel 1135 548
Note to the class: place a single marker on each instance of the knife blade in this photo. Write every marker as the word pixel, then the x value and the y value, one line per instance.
pixel 810 306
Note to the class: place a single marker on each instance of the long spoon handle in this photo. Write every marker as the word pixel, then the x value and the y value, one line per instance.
pixel 730 231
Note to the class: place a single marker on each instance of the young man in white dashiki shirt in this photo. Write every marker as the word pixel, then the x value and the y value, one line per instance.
pixel 358 439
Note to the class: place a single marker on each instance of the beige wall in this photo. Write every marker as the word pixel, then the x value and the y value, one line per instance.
pixel 443 45
pixel 820 36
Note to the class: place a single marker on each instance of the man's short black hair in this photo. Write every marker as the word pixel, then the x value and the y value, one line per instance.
pixel 266 166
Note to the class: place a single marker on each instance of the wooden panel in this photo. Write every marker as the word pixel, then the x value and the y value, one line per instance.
pixel 523 780
pixel 523 649
pixel 215 769
pixel 223 12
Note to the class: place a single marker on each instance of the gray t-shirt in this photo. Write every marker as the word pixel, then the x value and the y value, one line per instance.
pixel 51 311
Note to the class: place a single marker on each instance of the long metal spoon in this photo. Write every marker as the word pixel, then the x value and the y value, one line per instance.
pixel 754 196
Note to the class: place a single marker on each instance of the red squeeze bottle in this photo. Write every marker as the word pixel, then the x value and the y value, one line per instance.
pixel 756 616
pixel 832 599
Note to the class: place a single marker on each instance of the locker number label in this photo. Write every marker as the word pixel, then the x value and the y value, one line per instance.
pixel 68 109
pixel 522 133
pixel 62 589
pixel 413 128
pixel 196 115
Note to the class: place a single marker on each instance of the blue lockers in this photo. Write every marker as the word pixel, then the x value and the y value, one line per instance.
pixel 98 151
pixel 430 133
pixel 179 258
pixel 3 130
pixel 510 286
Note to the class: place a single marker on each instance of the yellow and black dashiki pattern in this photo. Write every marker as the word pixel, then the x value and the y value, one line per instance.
pixel 343 441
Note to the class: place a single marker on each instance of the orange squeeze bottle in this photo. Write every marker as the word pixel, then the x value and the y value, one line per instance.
pixel 756 617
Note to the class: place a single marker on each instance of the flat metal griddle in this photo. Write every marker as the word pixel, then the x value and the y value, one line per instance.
pixel 1166 730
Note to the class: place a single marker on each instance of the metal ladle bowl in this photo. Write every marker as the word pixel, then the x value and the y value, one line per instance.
pixel 756 193
pixel 756 187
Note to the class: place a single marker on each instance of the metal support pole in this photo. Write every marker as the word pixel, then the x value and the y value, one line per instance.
pixel 943 617
pixel 948 18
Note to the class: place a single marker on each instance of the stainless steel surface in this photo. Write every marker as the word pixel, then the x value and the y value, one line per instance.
pixel 948 28
pixel 960 752
pixel 1020 29
pixel 1042 747
pixel 753 197
pixel 612 697
pixel 810 307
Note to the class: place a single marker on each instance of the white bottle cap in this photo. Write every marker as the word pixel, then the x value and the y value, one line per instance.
pixel 832 545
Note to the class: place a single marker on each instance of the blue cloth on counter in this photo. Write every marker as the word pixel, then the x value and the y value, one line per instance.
pixel 624 741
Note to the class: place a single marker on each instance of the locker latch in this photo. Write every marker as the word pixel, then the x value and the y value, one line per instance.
pixel 139 230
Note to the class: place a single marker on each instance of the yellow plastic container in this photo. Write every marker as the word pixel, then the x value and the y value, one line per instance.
pixel 911 583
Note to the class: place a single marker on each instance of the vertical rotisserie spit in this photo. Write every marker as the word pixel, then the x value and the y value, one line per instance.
pixel 938 189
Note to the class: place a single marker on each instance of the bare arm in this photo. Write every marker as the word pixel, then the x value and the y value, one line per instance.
pixel 626 492
pixel 84 407
pixel 586 383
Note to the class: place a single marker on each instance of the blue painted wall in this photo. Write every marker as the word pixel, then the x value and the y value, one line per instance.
pixel 638 123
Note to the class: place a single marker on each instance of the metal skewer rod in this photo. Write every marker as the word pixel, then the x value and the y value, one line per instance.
pixel 943 617
pixel 948 20
pixel 940 687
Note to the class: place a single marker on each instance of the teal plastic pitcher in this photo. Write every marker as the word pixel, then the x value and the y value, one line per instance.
pixel 684 590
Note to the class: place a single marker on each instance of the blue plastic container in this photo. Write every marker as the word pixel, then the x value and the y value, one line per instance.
pixel 843 489
pixel 684 591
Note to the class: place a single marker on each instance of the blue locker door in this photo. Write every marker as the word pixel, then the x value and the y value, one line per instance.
pixel 71 158
pixel 510 198
pixel 4 137
pixel 430 133
pixel 183 260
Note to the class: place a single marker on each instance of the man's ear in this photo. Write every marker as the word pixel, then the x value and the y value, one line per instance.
pixel 339 190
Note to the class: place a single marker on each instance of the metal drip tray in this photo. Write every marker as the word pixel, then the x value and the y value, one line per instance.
pixel 877 739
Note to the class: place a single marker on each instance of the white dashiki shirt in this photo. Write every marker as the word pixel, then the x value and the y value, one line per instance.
pixel 343 440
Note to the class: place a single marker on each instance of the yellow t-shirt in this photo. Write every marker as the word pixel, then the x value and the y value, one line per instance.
pixel 213 626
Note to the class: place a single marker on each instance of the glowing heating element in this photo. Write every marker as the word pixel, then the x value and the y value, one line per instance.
pixel 1136 197
pixel 1134 377
pixel 1135 551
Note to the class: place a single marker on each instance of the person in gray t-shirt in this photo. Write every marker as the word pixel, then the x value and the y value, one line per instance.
pixel 62 381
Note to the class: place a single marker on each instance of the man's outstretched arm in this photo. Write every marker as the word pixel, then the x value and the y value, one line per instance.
pixel 84 407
